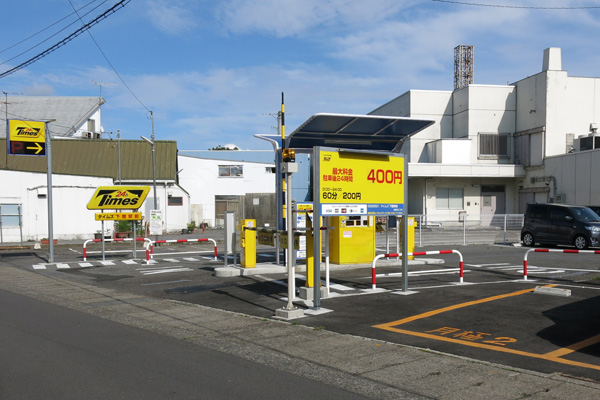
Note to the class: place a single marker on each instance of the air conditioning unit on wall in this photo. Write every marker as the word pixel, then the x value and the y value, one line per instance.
pixel 92 135
pixel 560 198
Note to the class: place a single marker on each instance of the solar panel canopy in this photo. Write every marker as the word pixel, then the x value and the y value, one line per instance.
pixel 360 132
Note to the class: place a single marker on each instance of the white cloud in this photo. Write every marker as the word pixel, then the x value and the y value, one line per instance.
pixel 292 17
pixel 39 90
pixel 172 16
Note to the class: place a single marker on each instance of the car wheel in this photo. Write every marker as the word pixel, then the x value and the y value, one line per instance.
pixel 528 239
pixel 581 242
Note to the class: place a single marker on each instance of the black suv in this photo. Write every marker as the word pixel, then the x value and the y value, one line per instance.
pixel 561 224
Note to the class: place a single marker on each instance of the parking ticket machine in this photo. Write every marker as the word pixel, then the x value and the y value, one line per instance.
pixel 248 243
pixel 352 239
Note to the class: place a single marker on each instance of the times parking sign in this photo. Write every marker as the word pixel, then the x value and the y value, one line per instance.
pixel 26 137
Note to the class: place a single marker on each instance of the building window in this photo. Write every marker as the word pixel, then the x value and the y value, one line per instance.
pixel 175 201
pixel 449 199
pixel 493 145
pixel 10 215
pixel 231 170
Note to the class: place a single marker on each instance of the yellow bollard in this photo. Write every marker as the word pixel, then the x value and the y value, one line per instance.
pixel 248 243
pixel 310 254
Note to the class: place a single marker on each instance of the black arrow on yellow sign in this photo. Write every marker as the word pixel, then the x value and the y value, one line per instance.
pixel 37 149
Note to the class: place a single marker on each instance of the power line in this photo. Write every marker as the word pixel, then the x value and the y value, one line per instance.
pixel 46 28
pixel 45 40
pixel 525 7
pixel 112 66
pixel 72 36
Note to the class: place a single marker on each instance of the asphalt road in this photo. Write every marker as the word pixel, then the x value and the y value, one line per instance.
pixel 52 352
pixel 493 316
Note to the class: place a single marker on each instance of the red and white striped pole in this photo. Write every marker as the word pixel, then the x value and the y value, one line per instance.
pixel 567 251
pixel 417 253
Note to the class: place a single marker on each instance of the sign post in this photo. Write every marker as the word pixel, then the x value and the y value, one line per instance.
pixel 355 182
pixel 30 138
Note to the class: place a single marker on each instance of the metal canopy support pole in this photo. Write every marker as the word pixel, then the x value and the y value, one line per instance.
pixel 317 228
pixel 290 238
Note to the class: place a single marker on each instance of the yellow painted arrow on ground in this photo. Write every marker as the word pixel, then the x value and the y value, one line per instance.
pixel 37 147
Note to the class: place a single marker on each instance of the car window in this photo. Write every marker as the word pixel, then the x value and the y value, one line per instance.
pixel 595 209
pixel 537 211
pixel 559 214
pixel 584 214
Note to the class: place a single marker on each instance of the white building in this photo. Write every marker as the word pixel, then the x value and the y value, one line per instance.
pixel 491 149
pixel 79 167
pixel 24 206
pixel 219 185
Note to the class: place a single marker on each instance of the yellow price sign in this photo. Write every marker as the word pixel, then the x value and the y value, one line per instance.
pixel 360 183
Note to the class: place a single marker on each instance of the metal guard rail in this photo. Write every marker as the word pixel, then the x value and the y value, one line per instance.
pixel 568 251
pixel 110 240
pixel 417 253
pixel 150 245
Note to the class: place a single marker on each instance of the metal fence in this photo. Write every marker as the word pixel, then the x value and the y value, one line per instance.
pixel 467 229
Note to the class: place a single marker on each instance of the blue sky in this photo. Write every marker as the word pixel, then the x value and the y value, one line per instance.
pixel 212 71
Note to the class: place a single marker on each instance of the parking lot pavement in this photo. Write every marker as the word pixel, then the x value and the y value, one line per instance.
pixel 492 336
pixel 378 369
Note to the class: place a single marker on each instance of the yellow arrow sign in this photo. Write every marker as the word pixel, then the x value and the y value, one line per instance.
pixel 36 146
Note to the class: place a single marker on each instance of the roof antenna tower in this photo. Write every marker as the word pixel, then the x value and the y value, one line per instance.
pixel 464 64
pixel 103 84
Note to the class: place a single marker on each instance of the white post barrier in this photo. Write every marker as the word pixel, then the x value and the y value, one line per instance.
pixel 568 251
pixel 146 240
pixel 150 246
pixel 417 253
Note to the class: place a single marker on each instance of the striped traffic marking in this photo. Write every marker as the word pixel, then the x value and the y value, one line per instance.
pixel 454 335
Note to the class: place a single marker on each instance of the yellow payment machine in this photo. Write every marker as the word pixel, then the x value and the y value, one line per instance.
pixel 248 243
pixel 352 239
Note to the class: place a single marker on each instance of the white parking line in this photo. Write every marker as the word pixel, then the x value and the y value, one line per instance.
pixel 486 265
pixel 165 271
